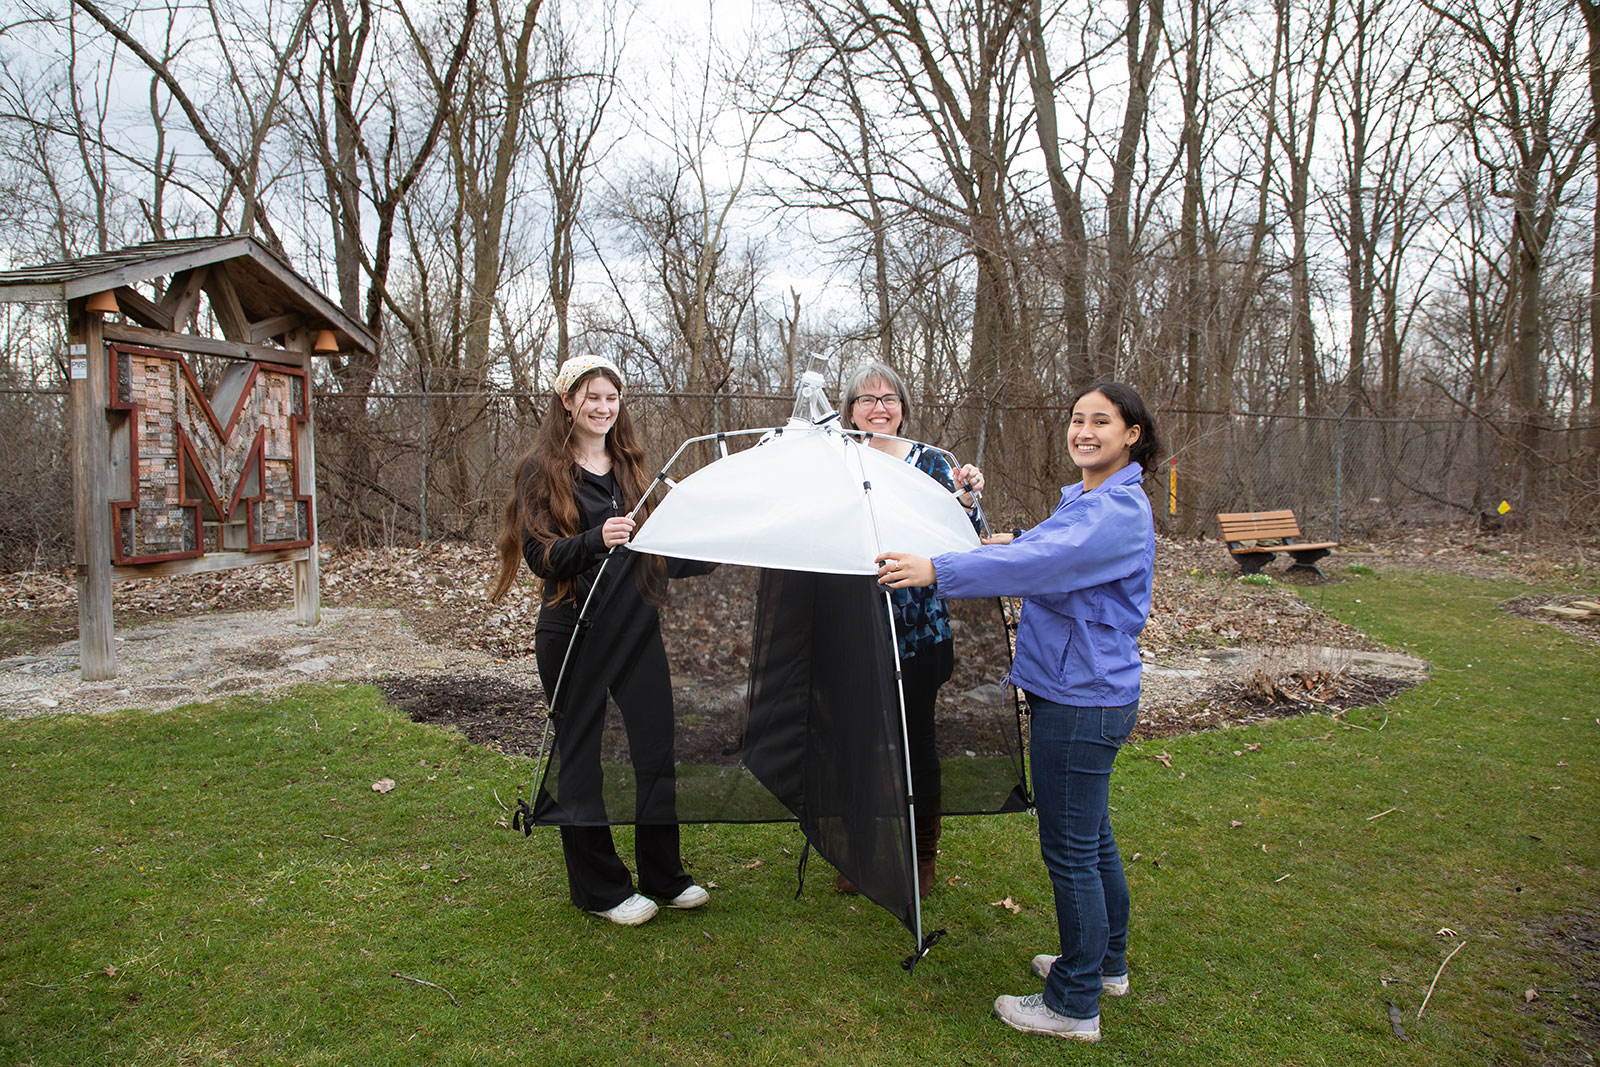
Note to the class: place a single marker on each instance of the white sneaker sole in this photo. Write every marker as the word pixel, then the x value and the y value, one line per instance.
pixel 1088 1037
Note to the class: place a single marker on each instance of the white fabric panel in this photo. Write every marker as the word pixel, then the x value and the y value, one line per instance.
pixel 798 501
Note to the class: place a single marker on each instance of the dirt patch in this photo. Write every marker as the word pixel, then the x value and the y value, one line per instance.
pixel 1573 941
pixel 510 718
pixel 1528 608
pixel 492 712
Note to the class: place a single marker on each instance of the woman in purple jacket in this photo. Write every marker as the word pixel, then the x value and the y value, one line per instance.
pixel 1085 574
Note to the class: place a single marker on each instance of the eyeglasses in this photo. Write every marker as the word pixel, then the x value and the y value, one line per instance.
pixel 888 400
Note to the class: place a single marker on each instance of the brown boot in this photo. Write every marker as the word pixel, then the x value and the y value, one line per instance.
pixel 844 885
pixel 928 830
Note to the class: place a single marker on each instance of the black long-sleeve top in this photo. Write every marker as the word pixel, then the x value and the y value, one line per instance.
pixel 580 555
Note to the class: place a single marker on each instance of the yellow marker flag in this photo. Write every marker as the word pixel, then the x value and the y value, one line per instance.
pixel 1504 507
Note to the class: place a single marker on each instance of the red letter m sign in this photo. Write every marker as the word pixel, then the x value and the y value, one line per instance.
pixel 206 476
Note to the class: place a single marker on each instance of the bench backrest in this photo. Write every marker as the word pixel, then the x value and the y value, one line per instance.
pixel 1258 525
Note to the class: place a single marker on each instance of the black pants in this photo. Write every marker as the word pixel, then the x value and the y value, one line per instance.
pixel 921 675
pixel 635 672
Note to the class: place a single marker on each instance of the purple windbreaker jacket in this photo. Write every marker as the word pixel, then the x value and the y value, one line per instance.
pixel 1085 574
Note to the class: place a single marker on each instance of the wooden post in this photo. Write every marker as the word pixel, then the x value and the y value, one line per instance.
pixel 91 491
pixel 307 577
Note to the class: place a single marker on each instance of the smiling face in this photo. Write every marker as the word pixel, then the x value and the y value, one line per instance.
pixel 877 409
pixel 593 404
pixel 1099 438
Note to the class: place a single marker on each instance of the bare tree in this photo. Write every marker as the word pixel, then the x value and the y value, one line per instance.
pixel 834 161
pixel 450 317
pixel 364 161
pixel 41 200
pixel 1141 40
pixel 1066 198
pixel 1306 79
pixel 65 110
pixel 572 110
pixel 1467 323
pixel 953 71
pixel 1236 255
pixel 679 212
pixel 1194 300
pixel 1591 21
pixel 1387 159
pixel 1529 132
pixel 242 173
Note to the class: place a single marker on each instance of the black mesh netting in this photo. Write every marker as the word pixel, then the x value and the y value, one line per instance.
pixel 784 705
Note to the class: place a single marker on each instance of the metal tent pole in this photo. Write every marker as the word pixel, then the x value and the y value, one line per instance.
pixel 905 735
pixel 911 801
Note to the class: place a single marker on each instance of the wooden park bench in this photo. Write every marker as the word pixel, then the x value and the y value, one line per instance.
pixel 1254 537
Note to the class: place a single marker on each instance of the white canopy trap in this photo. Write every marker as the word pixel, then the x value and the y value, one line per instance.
pixel 798 712
pixel 808 498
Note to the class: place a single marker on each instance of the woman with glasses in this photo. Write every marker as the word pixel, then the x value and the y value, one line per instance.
pixel 875 402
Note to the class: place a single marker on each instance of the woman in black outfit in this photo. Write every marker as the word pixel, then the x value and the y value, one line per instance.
pixel 567 513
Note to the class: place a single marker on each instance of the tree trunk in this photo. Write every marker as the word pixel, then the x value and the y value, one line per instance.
pixel 1591 20
pixel 1074 258
pixel 1141 58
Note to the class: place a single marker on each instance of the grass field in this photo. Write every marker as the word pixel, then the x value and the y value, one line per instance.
pixel 220 885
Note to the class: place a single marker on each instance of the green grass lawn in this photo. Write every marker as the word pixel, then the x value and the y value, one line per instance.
pixel 220 885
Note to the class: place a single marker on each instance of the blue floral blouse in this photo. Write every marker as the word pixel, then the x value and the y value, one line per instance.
pixel 921 619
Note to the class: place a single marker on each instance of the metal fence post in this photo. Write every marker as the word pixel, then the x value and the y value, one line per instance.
pixel 422 503
pixel 1338 465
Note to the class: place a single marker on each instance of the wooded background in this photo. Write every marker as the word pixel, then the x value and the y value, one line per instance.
pixel 1346 249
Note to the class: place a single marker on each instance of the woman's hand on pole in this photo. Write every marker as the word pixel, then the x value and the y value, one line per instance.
pixel 617 530
pixel 969 485
pixel 999 539
pixel 900 570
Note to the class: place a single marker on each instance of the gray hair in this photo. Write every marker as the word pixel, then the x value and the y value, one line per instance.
pixel 864 374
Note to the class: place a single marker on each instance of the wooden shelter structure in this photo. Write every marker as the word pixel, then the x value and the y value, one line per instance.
pixel 168 480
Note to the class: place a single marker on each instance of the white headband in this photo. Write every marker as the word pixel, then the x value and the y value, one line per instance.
pixel 577 367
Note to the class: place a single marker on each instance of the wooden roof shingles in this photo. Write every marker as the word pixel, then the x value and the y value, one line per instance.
pixel 265 284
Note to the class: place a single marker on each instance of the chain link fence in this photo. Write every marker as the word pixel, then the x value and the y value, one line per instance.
pixel 35 480
pixel 1347 478
pixel 403 468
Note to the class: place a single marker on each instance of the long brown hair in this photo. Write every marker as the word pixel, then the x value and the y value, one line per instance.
pixel 543 505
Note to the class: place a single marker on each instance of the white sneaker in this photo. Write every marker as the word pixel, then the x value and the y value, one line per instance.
pixel 1111 985
pixel 630 912
pixel 1032 1016
pixel 693 897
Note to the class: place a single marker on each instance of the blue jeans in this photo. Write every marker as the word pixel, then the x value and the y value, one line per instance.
pixel 1072 750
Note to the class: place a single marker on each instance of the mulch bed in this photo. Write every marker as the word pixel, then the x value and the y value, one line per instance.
pixel 1239 704
pixel 492 712
pixel 1528 608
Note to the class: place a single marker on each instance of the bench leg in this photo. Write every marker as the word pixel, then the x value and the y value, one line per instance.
pixel 1306 560
pixel 1252 562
